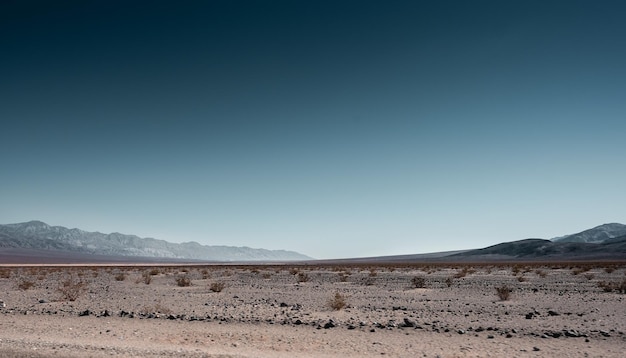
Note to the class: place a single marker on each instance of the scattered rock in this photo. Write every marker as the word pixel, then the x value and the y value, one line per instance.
pixel 553 313
pixel 329 324
pixel 84 313
pixel 536 349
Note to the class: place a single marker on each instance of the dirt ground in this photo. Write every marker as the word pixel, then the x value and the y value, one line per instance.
pixel 436 310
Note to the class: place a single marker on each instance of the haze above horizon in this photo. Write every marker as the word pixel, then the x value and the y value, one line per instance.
pixel 334 129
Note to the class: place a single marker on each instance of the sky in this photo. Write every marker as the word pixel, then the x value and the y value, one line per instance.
pixel 331 128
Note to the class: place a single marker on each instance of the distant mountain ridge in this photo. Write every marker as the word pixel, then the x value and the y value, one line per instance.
pixel 597 234
pixel 38 235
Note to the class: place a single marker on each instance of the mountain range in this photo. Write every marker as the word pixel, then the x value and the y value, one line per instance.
pixel 35 241
pixel 40 237
pixel 607 241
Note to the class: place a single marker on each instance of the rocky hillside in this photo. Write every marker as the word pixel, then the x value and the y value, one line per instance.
pixel 596 235
pixel 37 235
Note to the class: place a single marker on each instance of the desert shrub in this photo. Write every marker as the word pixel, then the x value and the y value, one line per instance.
pixel 343 277
pixel 589 276
pixel 154 272
pixel 183 281
pixel 71 289
pixel 373 273
pixel 121 276
pixel 302 277
pixel 369 281
pixel 521 278
pixel 5 273
pixel 613 286
pixel 460 273
pixel 294 271
pixel 504 292
pixel 255 270
pixel 145 278
pixel 609 269
pixel 418 282
pixel 337 302
pixel 448 281
pixel 205 274
pixel 25 284
pixel 266 275
pixel 541 273
pixel 217 286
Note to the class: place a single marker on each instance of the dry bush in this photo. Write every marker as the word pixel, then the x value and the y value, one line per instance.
pixel 521 278
pixel 145 278
pixel 5 273
pixel 154 272
pixel 418 282
pixel 448 281
pixel 205 274
pixel 337 302
pixel 183 281
pixel 613 286
pixel 373 273
pixel 266 275
pixel 343 277
pixel 120 276
pixel 25 284
pixel 609 269
pixel 369 281
pixel 504 292
pixel 294 271
pixel 71 289
pixel 541 273
pixel 461 273
pixel 589 276
pixel 217 286
pixel 302 277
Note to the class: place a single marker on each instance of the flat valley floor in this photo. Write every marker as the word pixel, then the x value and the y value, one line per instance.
pixel 420 310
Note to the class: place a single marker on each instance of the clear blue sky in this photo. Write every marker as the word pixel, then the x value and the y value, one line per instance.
pixel 332 128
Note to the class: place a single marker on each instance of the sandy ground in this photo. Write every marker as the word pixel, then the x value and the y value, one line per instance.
pixel 263 311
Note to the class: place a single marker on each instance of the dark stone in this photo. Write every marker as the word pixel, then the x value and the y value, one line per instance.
pixel 407 323
pixel 329 324
pixel 553 313
pixel 536 349
pixel 283 304
pixel 297 322
pixel 529 315
pixel 572 333
pixel 84 313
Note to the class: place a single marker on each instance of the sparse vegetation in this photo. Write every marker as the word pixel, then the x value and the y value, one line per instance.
pixel 25 284
pixel 337 302
pixel 504 292
pixel 121 276
pixel 183 281
pixel 418 282
pixel 217 286
pixel 71 289
pixel 302 277
pixel 145 278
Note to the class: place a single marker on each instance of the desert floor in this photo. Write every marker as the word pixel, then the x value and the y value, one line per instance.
pixel 427 310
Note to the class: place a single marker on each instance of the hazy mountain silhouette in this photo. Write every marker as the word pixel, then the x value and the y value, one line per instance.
pixel 37 235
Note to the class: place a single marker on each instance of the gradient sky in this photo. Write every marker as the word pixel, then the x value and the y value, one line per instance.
pixel 332 128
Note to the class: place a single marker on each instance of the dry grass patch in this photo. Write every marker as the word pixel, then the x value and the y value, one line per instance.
pixel 183 281
pixel 217 286
pixel 71 289
pixel 337 302
pixel 504 292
